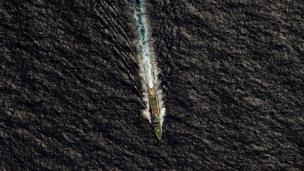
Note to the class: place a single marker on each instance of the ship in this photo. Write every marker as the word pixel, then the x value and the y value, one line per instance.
pixel 154 109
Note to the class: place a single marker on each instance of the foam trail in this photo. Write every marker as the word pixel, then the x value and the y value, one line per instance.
pixel 144 41
pixel 147 63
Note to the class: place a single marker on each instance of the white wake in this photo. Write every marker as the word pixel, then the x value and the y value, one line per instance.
pixel 146 58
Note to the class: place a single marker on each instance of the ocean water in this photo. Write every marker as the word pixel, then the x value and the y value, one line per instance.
pixel 71 92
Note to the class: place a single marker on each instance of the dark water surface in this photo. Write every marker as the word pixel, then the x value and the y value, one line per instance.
pixel 232 73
